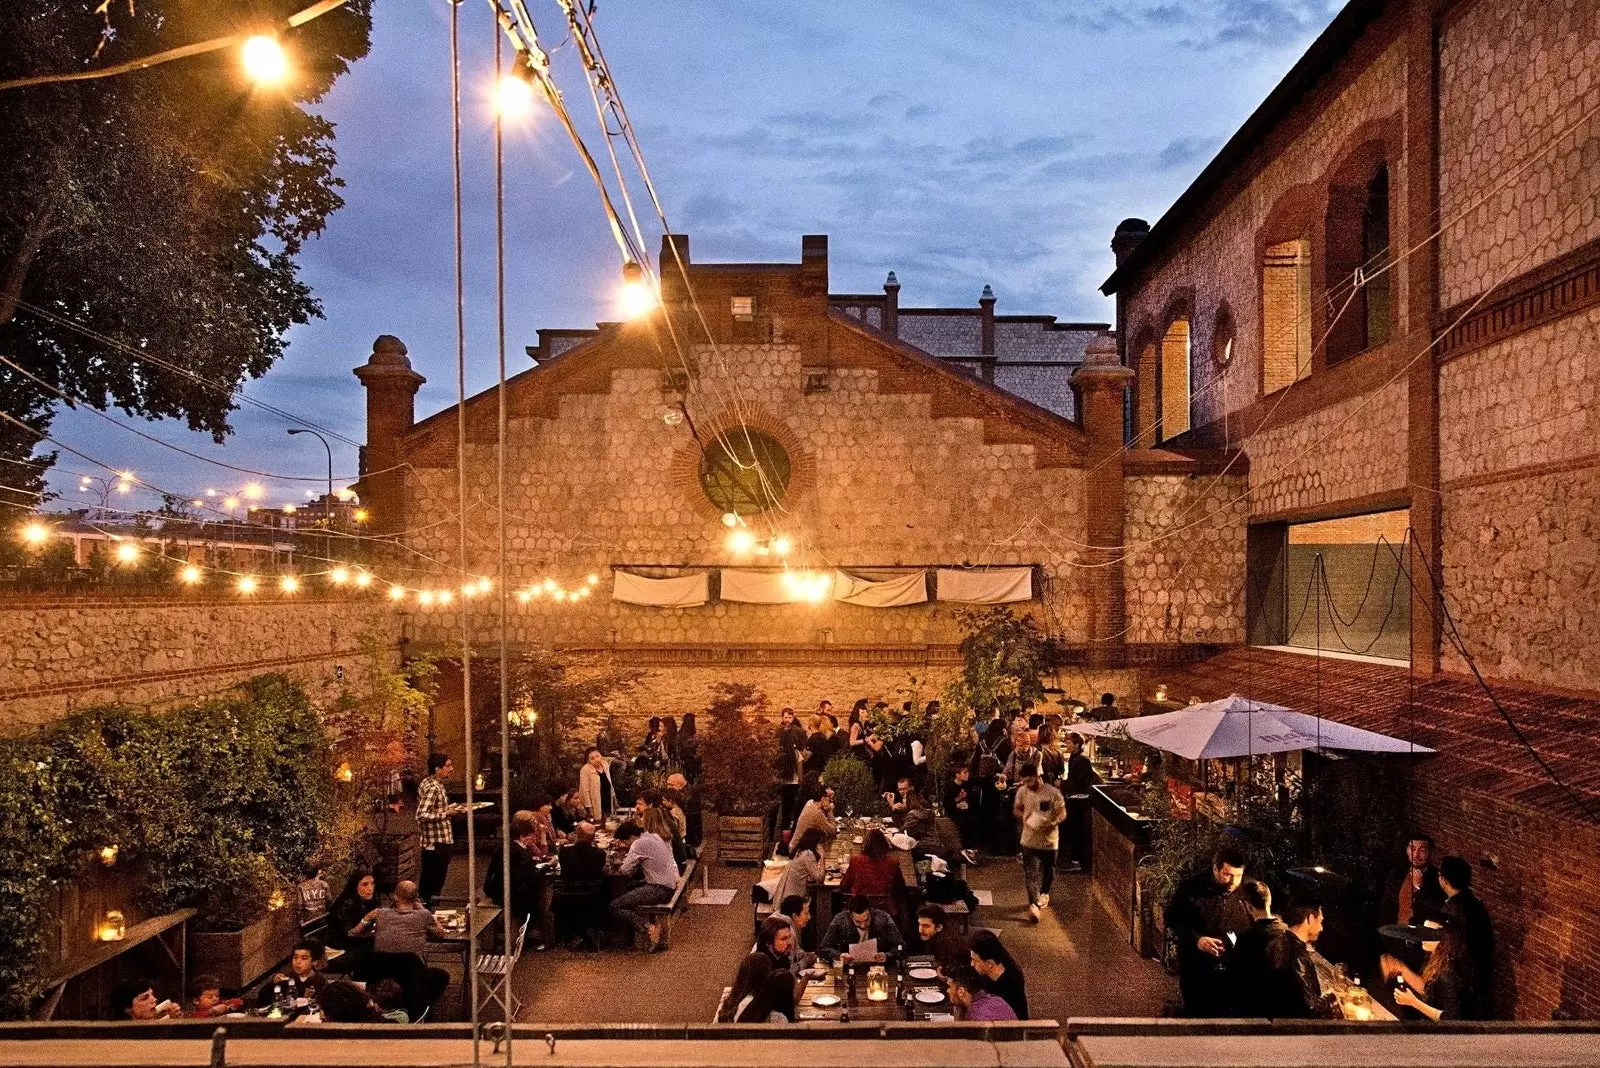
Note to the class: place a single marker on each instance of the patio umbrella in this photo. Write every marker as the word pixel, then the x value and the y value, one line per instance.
pixel 1239 727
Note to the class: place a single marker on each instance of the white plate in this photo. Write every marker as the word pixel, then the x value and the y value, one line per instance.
pixel 929 997
pixel 856 839
pixel 923 973
pixel 827 1001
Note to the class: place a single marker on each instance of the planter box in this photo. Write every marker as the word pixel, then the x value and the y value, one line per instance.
pixel 239 958
pixel 742 839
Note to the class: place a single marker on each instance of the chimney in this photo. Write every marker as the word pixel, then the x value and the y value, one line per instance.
pixel 986 332
pixel 1129 233
pixel 891 305
pixel 391 387
pixel 1100 383
pixel 814 265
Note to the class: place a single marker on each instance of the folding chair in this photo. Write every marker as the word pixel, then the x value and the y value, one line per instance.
pixel 494 974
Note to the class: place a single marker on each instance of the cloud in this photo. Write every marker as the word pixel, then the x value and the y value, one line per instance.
pixel 1261 23
pixel 923 111
pixel 1185 150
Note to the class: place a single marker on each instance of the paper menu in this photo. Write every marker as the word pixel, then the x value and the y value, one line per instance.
pixel 866 949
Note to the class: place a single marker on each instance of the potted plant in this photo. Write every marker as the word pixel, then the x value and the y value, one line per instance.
pixel 737 750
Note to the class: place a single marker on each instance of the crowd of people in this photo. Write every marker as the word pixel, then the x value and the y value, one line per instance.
pixel 1240 953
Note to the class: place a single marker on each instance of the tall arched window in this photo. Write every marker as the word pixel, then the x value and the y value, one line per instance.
pixel 1285 314
pixel 1176 380
pixel 1359 288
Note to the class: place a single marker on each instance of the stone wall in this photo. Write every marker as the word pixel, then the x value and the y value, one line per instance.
pixel 1349 450
pixel 957 333
pixel 59 655
pixel 1512 78
pixel 1521 531
pixel 879 480
pixel 1186 585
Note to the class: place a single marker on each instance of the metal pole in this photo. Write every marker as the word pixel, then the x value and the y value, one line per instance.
pixel 327 502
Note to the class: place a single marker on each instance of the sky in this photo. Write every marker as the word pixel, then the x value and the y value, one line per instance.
pixel 956 143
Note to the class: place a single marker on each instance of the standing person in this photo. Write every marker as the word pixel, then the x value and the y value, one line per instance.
pixel 970 994
pixel 1251 967
pixel 1077 780
pixel 823 744
pixel 1463 912
pixel 1000 971
pixel 989 763
pixel 689 749
pixel 435 834
pixel 787 767
pixel 884 763
pixel 650 854
pixel 961 802
pixel 1107 710
pixel 669 739
pixel 1052 761
pixel 1039 810
pixel 1414 893
pixel 652 754
pixel 856 730
pixel 594 785
pixel 1202 912
pixel 688 802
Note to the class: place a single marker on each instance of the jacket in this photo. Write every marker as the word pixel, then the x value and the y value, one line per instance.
pixel 842 934
pixel 802 873
pixel 582 862
pixel 589 790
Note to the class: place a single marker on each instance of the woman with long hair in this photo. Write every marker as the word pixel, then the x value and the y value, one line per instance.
pixel 856 731
pixel 359 897
pixel 875 873
pixel 750 997
pixel 822 745
pixel 806 868
pixel 689 748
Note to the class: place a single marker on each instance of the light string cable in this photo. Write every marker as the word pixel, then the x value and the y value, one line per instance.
pixel 470 981
pixel 198 48
pixel 510 949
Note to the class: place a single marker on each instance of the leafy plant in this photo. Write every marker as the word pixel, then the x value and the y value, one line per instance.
pixel 738 749
pixel 855 791
pixel 1003 657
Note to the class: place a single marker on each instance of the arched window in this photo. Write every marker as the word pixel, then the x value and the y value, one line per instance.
pixel 1285 314
pixel 1359 288
pixel 1176 380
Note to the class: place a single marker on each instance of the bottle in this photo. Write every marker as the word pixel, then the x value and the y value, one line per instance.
pixel 277 997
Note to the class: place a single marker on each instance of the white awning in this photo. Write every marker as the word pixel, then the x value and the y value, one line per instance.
pixel 683 591
pixel 992 585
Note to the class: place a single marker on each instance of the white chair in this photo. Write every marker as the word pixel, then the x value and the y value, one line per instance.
pixel 494 975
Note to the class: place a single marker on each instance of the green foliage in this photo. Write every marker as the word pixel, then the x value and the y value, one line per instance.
pixel 215 806
pixel 165 209
pixel 855 792
pixel 738 748
pixel 1003 657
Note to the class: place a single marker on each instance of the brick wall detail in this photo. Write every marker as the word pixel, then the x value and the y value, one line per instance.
pixel 1349 450
pixel 1188 586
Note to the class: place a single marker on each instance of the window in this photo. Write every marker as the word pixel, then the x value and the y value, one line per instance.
pixel 1358 250
pixel 744 471
pixel 1175 380
pixel 1222 338
pixel 1285 314
pixel 743 308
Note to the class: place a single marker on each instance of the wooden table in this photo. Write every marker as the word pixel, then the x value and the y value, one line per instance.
pixel 481 919
pixel 863 1008
pixel 840 850
pixel 155 929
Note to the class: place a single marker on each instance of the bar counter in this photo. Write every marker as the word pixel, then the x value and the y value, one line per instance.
pixel 1119 839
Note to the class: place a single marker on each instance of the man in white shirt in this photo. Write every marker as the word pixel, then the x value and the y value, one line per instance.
pixel 651 854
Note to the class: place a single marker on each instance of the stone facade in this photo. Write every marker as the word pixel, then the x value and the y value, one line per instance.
pixel 1344 452
pixel 1514 78
pixel 1186 585
pixel 60 656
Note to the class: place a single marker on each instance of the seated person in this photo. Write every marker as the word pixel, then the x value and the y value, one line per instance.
pixel 875 873
pixel 349 909
pixel 567 813
pixel 391 1001
pixel 857 924
pixel 750 998
pixel 688 803
pixel 583 867
pixel 399 939
pixel 344 1002
pixel 796 908
pixel 938 940
pixel 135 999
pixel 208 999
pixel 806 868
pixel 776 938
pixel 817 812
pixel 314 893
pixel 300 980
pixel 1001 973
pixel 527 876
pixel 973 999
pixel 650 854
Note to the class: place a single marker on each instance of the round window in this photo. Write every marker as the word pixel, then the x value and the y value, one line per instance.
pixel 744 471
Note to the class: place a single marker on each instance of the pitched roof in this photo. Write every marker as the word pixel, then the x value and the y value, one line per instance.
pixel 1477 750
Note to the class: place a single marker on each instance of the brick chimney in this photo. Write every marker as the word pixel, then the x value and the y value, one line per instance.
pixel 891 305
pixel 1129 233
pixel 1100 383
pixel 814 265
pixel 391 387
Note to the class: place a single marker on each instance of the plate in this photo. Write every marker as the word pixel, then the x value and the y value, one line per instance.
pixel 923 973
pixel 856 839
pixel 827 1001
pixel 929 997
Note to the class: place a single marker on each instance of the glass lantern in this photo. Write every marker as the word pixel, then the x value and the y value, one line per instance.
pixel 877 983
pixel 114 927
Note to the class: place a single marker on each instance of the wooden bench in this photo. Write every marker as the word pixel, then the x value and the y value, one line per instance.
pixel 665 911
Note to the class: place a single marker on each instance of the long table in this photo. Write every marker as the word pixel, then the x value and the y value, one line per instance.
pixel 844 845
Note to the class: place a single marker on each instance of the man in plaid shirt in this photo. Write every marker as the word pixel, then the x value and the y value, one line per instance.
pixel 433 827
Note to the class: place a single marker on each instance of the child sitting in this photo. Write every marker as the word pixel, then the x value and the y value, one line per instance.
pixel 208 999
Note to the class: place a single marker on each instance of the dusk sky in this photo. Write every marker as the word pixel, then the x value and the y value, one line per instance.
pixel 957 144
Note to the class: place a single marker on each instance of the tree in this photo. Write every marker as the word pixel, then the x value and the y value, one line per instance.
pixel 162 209
pixel 738 750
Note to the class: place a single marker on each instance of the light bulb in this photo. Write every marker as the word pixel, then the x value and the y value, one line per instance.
pixel 35 534
pixel 514 96
pixel 289 584
pixel 190 574
pixel 781 546
pixel 445 596
pixel 359 515
pixel 593 579
pixel 363 580
pixel 397 593
pixel 252 492
pixel 730 519
pixel 524 596
pixel 741 541
pixel 230 503
pixel 127 553
pixel 339 576
pixel 288 509
pixel 264 60
pixel 248 584
pixel 484 585
pixel 425 598
pixel 637 297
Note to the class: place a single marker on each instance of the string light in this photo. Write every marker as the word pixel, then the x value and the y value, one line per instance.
pixel 289 584
pixel 35 534
pixel 363 579
pixel 359 515
pixel 514 96
pixel 339 576
pixel 247 584
pixel 397 593
pixel 445 596
pixel 425 598
pixel 190 575
pixel 127 553
pixel 741 541
pixel 638 297
pixel 812 586
pixel 252 492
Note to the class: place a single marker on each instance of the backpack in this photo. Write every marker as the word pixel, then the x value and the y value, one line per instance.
pixel 988 764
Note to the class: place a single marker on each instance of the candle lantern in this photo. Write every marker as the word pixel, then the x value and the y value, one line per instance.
pixel 1161 693
pixel 276 901
pixel 114 927
pixel 877 984
pixel 108 855
pixel 480 781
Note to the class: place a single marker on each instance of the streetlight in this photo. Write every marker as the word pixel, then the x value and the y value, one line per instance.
pixel 327 502
pixel 264 60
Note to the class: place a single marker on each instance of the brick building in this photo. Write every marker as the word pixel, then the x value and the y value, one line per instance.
pixel 1384 294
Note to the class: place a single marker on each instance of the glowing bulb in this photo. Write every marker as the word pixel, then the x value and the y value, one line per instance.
pixel 264 60
pixel 781 546
pixel 425 598
pixel 230 503
pixel 730 519
pixel 359 515
pixel 276 901
pixel 484 585
pixel 559 595
pixel 35 534
pixel 247 584
pixel 108 855
pixel 363 580
pixel 190 575
pixel 637 297
pixel 445 596
pixel 345 773
pixel 198 503
pixel 127 553
pixel 524 596
pixel 345 494
pixel 289 584
pixel 397 593
pixel 549 585
pixel 252 492
pixel 514 96
pixel 311 495
pixel 123 487
pixel 211 493
pixel 339 576
pixel 288 509
pixel 741 541
pixel 469 589
pixel 593 579
pixel 126 476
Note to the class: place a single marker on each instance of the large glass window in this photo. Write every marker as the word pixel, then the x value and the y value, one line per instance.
pixel 1176 380
pixel 744 471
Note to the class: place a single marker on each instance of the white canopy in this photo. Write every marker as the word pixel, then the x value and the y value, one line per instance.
pixel 1238 726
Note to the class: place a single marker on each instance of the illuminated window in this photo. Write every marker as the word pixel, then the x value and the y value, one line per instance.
pixel 1285 314
pixel 743 308
pixel 1176 380
pixel 744 471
